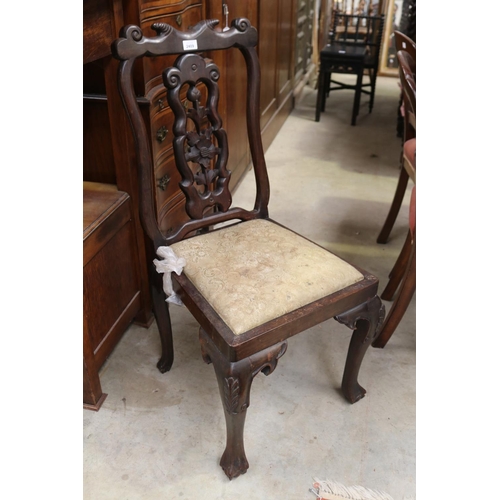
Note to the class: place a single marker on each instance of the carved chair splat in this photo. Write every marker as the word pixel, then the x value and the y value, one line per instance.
pixel 245 315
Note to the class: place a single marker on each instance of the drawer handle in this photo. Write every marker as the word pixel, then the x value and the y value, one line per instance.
pixel 163 182
pixel 161 134
pixel 178 20
pixel 160 104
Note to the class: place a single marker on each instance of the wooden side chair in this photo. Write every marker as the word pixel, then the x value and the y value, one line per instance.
pixel 250 282
pixel 402 279
pixel 353 48
pixel 408 78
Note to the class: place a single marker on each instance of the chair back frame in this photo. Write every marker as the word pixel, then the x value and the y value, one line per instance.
pixel 211 204
pixel 353 29
pixel 406 44
pixel 407 77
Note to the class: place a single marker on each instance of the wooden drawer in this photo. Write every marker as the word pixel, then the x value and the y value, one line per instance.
pixel 173 214
pixel 148 6
pixel 167 179
pixel 161 129
pixel 153 66
pixel 162 120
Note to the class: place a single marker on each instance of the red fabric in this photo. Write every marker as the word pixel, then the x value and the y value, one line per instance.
pixel 413 210
pixel 410 152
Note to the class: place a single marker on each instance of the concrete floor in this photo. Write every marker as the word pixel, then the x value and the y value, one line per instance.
pixel 161 436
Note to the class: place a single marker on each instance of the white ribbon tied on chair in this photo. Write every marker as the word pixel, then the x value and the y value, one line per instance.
pixel 170 263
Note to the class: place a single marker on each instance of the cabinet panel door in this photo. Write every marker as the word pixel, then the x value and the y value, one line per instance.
pixel 268 55
pixel 286 30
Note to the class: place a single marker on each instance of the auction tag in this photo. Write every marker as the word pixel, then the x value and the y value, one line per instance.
pixel 189 44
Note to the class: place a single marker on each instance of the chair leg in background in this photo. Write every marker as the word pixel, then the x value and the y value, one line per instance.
pixel 395 206
pixel 365 320
pixel 235 380
pixel 398 271
pixel 373 81
pixel 319 97
pixel 326 89
pixel 400 304
pixel 162 316
pixel 357 98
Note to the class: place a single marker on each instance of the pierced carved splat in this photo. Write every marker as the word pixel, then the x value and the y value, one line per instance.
pixel 205 145
pixel 201 38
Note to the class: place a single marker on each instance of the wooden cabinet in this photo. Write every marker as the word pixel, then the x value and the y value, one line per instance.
pixel 303 40
pixel 180 14
pixel 276 47
pixel 111 281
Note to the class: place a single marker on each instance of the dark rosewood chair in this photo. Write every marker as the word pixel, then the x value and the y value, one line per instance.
pixel 408 78
pixel 403 275
pixel 353 47
pixel 250 284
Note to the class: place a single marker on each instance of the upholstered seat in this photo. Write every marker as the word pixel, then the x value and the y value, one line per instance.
pixel 262 271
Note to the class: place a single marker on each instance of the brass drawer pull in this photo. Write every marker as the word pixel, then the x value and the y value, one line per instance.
pixel 178 20
pixel 160 104
pixel 161 134
pixel 163 182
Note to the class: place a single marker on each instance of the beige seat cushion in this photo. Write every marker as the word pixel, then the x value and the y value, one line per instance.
pixel 256 271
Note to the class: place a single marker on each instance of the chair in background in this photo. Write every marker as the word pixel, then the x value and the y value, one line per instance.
pixel 402 279
pixel 353 48
pixel 251 284
pixel 407 74
pixel 406 44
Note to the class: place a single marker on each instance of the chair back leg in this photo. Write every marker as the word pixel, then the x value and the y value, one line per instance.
pixel 398 271
pixel 400 304
pixel 395 206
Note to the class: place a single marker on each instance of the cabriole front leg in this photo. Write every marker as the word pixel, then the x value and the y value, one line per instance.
pixel 235 380
pixel 366 321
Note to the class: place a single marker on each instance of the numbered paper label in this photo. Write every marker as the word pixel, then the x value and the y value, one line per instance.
pixel 189 44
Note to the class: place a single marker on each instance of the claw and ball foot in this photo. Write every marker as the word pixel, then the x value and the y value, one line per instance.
pixel 235 380
pixel 366 321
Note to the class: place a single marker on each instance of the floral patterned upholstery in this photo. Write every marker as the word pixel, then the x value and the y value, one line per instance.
pixel 255 271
